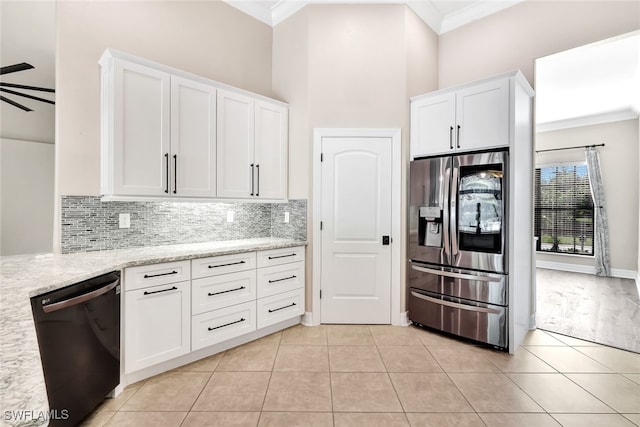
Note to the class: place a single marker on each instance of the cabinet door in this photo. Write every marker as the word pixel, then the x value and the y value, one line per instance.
pixel 157 324
pixel 193 139
pixel 482 111
pixel 271 142
pixel 141 130
pixel 235 145
pixel 433 125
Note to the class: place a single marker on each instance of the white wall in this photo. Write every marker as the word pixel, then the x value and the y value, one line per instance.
pixel 515 37
pixel 26 197
pixel 619 162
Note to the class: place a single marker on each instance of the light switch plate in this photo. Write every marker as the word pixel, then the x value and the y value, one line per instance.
pixel 124 220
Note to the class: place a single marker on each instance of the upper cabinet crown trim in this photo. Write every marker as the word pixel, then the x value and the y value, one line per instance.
pixel 110 54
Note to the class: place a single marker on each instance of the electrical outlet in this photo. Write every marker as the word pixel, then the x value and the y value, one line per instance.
pixel 124 220
pixel 286 217
pixel 230 216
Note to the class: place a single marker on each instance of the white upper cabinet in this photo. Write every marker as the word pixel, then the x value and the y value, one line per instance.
pixel 471 117
pixel 135 159
pixel 252 147
pixel 168 133
pixel 193 138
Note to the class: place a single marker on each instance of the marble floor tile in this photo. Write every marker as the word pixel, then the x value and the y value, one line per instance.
pixel 155 419
pixel 363 392
pixel 171 391
pixel 304 335
pixel 521 361
pixel 620 361
pixel 540 337
pixel 370 419
pixel 395 335
pixel 453 359
pixel 634 418
pixel 349 335
pixel 444 420
pixel 233 391
pixel 633 377
pixel 567 359
pixel 355 358
pixel 557 394
pixel 572 341
pixel 302 358
pixel 221 419
pixel 408 359
pixel 592 420
pixel 208 364
pixel 98 419
pixel 296 419
pixel 493 393
pixel 428 392
pixel 518 420
pixel 617 391
pixel 255 356
pixel 298 391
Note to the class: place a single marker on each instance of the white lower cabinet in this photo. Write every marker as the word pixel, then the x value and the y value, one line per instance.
pixel 157 324
pixel 280 278
pixel 212 293
pixel 277 308
pixel 220 325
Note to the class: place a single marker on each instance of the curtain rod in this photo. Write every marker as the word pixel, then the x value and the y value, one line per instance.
pixel 570 148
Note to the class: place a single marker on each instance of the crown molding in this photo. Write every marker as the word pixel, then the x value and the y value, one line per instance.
pixel 473 12
pixel 595 119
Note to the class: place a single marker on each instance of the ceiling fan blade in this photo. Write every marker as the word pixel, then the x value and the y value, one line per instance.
pixel 41 89
pixel 15 104
pixel 13 92
pixel 15 68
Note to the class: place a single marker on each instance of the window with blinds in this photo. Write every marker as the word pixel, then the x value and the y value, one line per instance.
pixel 564 213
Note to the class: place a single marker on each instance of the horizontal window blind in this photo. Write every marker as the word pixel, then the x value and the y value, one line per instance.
pixel 564 210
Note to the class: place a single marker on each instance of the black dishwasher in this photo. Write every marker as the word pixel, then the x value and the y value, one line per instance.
pixel 78 329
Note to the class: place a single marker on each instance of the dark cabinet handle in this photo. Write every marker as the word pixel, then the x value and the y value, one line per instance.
pixel 149 276
pixel 166 159
pixel 242 319
pixel 451 137
pixel 226 265
pixel 458 137
pixel 281 256
pixel 282 308
pixel 258 185
pixel 162 290
pixel 251 179
pixel 175 173
pixel 285 278
pixel 224 292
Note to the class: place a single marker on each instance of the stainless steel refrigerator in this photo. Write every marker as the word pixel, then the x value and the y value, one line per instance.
pixel 457 272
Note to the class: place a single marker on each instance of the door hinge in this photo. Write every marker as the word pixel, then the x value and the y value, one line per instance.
pixel 321 157
pixel 320 225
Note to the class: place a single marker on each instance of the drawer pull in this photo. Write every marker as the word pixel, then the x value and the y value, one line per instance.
pixel 282 308
pixel 149 276
pixel 226 265
pixel 224 292
pixel 281 256
pixel 162 290
pixel 242 319
pixel 284 278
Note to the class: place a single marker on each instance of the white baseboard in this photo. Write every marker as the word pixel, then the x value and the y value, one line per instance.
pixel 404 319
pixel 586 269
pixel 307 318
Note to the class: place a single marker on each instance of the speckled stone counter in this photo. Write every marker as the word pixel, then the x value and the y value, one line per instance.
pixel 23 393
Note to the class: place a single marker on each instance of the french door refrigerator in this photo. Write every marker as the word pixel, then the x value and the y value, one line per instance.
pixel 457 272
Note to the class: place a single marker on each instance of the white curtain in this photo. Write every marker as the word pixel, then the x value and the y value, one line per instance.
pixel 601 234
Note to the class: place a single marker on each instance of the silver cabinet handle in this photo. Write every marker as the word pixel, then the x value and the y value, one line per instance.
pixel 455 304
pixel 456 275
pixel 80 298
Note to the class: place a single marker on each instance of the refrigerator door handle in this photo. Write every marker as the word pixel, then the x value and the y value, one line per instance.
pixel 455 304
pixel 445 218
pixel 453 214
pixel 457 275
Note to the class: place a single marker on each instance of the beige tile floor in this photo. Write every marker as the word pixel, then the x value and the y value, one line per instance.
pixel 357 375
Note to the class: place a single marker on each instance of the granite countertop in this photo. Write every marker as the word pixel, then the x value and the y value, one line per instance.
pixel 24 276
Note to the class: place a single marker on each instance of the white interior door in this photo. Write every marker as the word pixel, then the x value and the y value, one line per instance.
pixel 356 214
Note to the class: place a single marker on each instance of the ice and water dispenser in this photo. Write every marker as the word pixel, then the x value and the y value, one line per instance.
pixel 430 226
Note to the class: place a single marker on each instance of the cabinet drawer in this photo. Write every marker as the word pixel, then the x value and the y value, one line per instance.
pixel 280 256
pixel 156 274
pixel 212 293
pixel 215 265
pixel 280 307
pixel 280 278
pixel 220 325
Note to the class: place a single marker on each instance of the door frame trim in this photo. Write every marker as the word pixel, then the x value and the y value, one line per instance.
pixel 396 211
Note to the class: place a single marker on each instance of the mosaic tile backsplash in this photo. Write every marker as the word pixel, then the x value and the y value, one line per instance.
pixel 89 224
